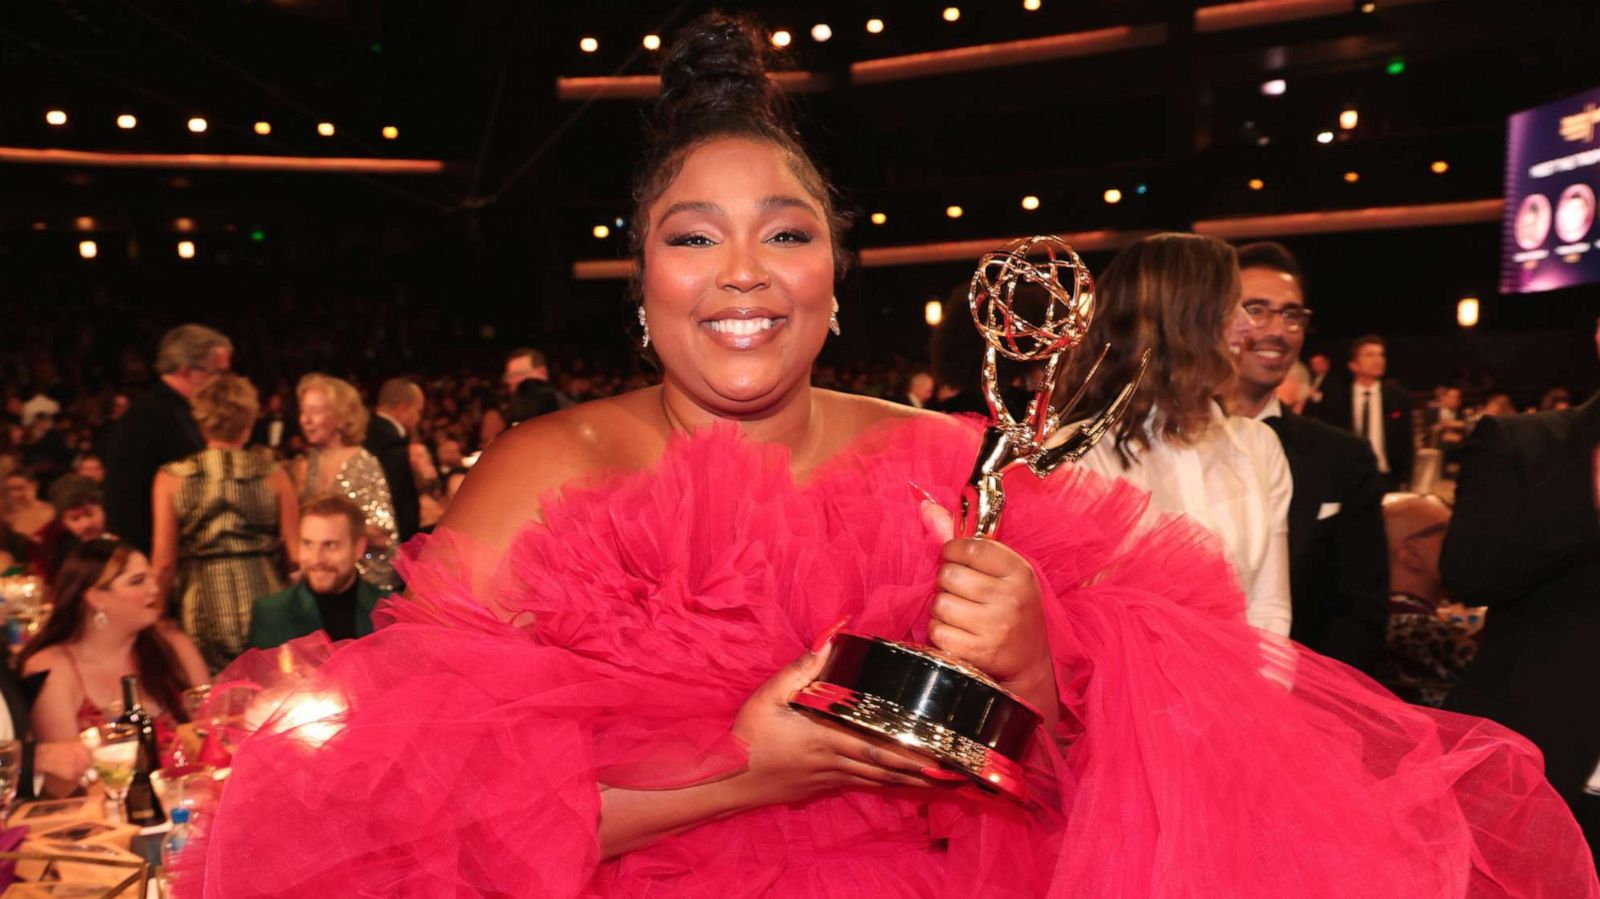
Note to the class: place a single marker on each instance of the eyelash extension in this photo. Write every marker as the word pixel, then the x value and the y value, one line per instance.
pixel 791 235
pixel 685 240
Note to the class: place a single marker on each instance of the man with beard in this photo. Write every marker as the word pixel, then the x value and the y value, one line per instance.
pixel 1338 572
pixel 330 596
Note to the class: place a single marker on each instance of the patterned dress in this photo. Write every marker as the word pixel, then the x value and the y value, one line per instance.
pixel 228 546
pixel 360 479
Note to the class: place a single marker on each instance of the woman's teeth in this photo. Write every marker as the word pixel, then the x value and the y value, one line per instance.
pixel 742 327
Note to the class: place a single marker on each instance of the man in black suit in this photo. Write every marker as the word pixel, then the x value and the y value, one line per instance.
pixel 1526 542
pixel 159 427
pixel 1338 558
pixel 400 403
pixel 67 760
pixel 272 429
pixel 1378 413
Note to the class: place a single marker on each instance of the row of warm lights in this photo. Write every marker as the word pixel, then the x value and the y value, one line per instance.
pixel 1030 203
pixel 1438 167
pixel 87 223
pixel 1467 310
pixel 89 249
pixel 821 32
pixel 1112 196
pixel 198 125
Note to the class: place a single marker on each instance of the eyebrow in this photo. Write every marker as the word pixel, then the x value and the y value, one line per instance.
pixel 767 204
pixel 1295 303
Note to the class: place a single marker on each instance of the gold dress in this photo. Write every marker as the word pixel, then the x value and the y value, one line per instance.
pixel 228 546
pixel 360 480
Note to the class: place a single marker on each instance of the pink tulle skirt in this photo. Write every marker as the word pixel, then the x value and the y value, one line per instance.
pixel 461 749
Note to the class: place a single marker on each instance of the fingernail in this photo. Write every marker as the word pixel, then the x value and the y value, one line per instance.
pixel 829 634
pixel 925 495
pixel 934 772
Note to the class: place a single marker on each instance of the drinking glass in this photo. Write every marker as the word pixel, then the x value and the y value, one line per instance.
pixel 10 772
pixel 114 760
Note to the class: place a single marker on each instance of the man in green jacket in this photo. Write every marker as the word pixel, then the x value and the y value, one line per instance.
pixel 331 596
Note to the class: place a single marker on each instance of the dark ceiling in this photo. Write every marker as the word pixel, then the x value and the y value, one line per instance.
pixel 1181 129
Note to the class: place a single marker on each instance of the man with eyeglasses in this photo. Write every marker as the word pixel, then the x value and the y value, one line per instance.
pixel 1338 557
pixel 1526 543
pixel 159 427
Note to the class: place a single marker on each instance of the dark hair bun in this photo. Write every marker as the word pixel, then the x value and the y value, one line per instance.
pixel 714 79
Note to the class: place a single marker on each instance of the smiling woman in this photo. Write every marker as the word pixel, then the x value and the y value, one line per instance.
pixel 586 691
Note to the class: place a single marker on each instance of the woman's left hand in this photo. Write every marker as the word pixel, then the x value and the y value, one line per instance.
pixel 988 611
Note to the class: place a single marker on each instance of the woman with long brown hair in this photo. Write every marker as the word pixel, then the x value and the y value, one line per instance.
pixel 1174 295
pixel 107 624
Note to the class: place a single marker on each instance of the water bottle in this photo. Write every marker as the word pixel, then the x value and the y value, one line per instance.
pixel 172 846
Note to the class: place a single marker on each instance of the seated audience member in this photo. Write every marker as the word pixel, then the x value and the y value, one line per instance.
pixel 531 399
pixel 221 518
pixel 26 513
pixel 273 425
pixel 1498 404
pixel 1555 399
pixel 1295 391
pixel 334 423
pixel 16 552
pixel 1337 572
pixel 919 392
pixel 1425 651
pixel 63 760
pixel 331 596
pixel 80 517
pixel 1444 424
pixel 45 449
pixel 448 456
pixel 90 466
pixel 107 624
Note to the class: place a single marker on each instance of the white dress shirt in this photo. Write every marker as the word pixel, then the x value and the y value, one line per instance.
pixel 1374 409
pixel 1235 481
pixel 1273 409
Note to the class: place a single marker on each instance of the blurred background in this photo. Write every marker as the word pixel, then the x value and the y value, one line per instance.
pixel 375 187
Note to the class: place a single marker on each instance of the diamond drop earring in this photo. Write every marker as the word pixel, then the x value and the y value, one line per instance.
pixel 833 320
pixel 644 324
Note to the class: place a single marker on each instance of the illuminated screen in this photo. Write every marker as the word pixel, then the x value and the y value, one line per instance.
pixel 1552 176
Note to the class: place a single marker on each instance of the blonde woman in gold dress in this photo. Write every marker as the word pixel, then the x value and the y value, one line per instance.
pixel 334 423
pixel 222 519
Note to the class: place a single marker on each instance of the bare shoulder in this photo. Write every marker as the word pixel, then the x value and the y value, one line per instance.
pixel 45 660
pixel 501 493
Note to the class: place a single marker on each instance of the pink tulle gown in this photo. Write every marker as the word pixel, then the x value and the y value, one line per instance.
pixel 463 755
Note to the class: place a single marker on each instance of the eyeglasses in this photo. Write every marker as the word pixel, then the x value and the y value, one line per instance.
pixel 1260 313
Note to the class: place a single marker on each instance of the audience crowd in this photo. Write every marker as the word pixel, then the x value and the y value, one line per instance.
pixel 184 521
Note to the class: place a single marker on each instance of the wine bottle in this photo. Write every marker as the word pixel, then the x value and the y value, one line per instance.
pixel 134 715
pixel 142 806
